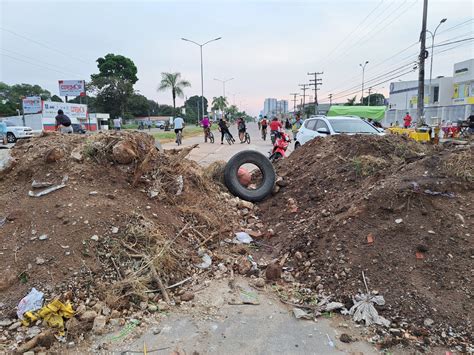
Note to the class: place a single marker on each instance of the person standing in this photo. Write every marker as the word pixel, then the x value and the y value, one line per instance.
pixel 118 123
pixel 407 121
pixel 63 123
pixel 205 123
pixel 296 125
pixel 3 133
pixel 224 130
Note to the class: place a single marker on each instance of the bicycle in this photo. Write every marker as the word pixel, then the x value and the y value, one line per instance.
pixel 228 138
pixel 179 138
pixel 247 137
pixel 264 134
pixel 209 135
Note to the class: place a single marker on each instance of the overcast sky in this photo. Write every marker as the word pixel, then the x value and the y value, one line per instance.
pixel 267 46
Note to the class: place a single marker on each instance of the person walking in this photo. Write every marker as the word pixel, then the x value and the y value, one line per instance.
pixel 224 130
pixel 63 123
pixel 296 125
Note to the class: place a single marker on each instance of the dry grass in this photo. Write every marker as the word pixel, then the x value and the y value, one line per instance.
pixel 460 165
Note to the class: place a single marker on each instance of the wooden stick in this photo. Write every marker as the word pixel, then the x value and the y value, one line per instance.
pixel 157 279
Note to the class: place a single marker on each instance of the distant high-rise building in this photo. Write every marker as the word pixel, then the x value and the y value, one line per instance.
pixel 282 106
pixel 270 107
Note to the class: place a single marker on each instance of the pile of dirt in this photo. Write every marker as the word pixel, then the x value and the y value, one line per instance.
pixel 129 223
pixel 399 211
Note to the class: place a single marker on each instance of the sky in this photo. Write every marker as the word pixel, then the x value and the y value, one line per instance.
pixel 268 47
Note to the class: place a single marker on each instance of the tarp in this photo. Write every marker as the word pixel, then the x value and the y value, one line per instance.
pixel 376 113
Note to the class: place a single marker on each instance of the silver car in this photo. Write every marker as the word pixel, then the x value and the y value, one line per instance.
pixel 322 126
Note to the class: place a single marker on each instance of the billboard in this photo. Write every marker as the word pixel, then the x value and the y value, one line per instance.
pixel 72 87
pixel 31 104
pixel 77 111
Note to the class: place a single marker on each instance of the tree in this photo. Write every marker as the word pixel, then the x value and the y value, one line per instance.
pixel 375 100
pixel 194 101
pixel 351 102
pixel 232 111
pixel 173 82
pixel 219 103
pixel 11 96
pixel 113 84
pixel 138 105
pixel 56 98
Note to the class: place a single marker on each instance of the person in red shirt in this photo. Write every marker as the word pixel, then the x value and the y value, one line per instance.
pixel 407 121
pixel 275 127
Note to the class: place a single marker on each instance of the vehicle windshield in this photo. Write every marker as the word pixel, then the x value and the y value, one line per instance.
pixel 342 125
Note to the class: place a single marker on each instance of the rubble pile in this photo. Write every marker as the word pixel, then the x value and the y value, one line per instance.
pixel 399 212
pixel 109 224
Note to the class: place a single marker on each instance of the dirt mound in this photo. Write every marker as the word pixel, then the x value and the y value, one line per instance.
pixel 395 209
pixel 129 222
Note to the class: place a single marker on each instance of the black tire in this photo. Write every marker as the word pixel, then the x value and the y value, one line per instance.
pixel 211 137
pixel 275 157
pixel 247 138
pixel 228 139
pixel 265 166
pixel 297 145
pixel 11 137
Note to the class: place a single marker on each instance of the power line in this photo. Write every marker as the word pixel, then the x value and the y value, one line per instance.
pixel 38 65
pixel 43 45
pixel 454 47
pixel 456 26
pixel 461 40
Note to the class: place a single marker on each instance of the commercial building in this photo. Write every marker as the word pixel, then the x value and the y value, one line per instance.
pixel 282 106
pixel 463 82
pixel 270 107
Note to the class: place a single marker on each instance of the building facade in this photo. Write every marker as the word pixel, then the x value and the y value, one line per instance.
pixel 282 106
pixel 463 83
pixel 270 107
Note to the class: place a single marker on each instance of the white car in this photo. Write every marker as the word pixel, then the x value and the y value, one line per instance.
pixel 322 126
pixel 15 132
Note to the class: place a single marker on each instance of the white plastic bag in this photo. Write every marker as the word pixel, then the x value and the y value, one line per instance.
pixel 242 238
pixel 31 302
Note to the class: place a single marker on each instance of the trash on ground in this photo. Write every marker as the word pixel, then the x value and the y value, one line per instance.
pixel 180 182
pixel 54 314
pixel 438 193
pixel 206 261
pixel 31 302
pixel 242 238
pixel 301 314
pixel 40 184
pixel 3 220
pixel 49 189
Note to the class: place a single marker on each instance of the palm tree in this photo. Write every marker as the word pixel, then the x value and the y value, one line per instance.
pixel 351 102
pixel 219 103
pixel 173 82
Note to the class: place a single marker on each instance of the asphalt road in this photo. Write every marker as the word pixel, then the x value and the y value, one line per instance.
pixel 207 153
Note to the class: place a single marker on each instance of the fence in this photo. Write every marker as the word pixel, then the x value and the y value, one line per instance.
pixel 433 115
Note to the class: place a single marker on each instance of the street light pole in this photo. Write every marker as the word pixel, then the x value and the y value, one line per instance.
pixel 223 84
pixel 202 68
pixel 432 53
pixel 363 73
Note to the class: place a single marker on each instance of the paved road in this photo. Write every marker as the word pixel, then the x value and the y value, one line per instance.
pixel 207 153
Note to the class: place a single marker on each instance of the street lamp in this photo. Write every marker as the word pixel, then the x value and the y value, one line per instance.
pixel 202 75
pixel 223 84
pixel 432 52
pixel 363 72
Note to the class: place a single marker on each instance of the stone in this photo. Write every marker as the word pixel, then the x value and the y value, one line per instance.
pixel 76 155
pixel 5 322
pixel 398 220
pixel 14 215
pixel 88 316
pixel 282 183
pixel 98 326
pixel 156 330
pixel 95 238
pixel 115 230
pixel 33 331
pixel 152 308
pixel 43 237
pixel 245 204
pixel 53 155
pixel 124 153
pixel 345 338
pixel 260 282
pixel 40 261
pixel 298 255
pixel 428 322
pixel 93 193
pixel 115 314
pixel 187 296
pixel 255 234
pixel 273 272
pixel 14 326
pixel 163 306
pixel 244 265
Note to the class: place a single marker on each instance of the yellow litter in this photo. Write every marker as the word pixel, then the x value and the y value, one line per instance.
pixel 53 314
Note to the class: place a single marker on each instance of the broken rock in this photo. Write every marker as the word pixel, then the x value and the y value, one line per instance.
pixel 273 272
pixel 53 155
pixel 99 324
pixel 187 296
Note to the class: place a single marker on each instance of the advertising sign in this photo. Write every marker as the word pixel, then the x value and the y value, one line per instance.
pixel 72 87
pixel 78 111
pixel 31 104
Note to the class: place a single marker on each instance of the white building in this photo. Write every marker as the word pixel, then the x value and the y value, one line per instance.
pixel 463 83
pixel 270 107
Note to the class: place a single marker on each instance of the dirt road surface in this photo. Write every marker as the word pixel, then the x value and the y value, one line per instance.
pixel 210 325
pixel 207 153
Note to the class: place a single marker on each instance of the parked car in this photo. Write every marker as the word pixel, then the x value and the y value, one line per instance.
pixel 78 128
pixel 160 124
pixel 15 132
pixel 323 126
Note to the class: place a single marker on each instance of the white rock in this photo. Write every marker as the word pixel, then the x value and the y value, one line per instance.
pixel 398 220
pixel 95 238
pixel 40 261
pixel 43 237
pixel 115 230
pixel 93 193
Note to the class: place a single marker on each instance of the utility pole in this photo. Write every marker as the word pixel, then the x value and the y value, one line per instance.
pixel 368 97
pixel 421 72
pixel 330 99
pixel 316 82
pixel 294 101
pixel 363 73
pixel 304 87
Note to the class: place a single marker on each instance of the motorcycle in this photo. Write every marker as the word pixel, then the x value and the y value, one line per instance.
pixel 282 141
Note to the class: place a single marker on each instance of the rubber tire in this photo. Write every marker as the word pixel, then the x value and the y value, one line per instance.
pixel 11 137
pixel 265 166
pixel 247 138
pixel 211 137
pixel 297 145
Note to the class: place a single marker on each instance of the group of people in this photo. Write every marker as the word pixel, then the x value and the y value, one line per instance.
pixel 276 125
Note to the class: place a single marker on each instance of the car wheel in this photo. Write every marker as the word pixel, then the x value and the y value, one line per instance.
pixel 11 137
pixel 266 168
pixel 297 145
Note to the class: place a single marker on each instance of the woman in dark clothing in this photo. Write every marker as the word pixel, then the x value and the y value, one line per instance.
pixel 224 129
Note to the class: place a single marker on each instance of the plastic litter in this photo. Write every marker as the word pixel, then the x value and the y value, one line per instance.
pixel 301 314
pixel 39 184
pixel 53 313
pixel 31 302
pixel 49 189
pixel 330 342
pixel 206 261
pixel 437 193
pixel 242 238
pixel 3 220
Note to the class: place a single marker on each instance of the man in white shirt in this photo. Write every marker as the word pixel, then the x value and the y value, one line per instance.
pixel 117 123
pixel 178 123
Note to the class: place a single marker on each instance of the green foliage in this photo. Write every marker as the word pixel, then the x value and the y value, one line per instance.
pixel 219 103
pixel 375 100
pixel 11 96
pixel 113 85
pixel 56 98
pixel 173 82
pixel 138 105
